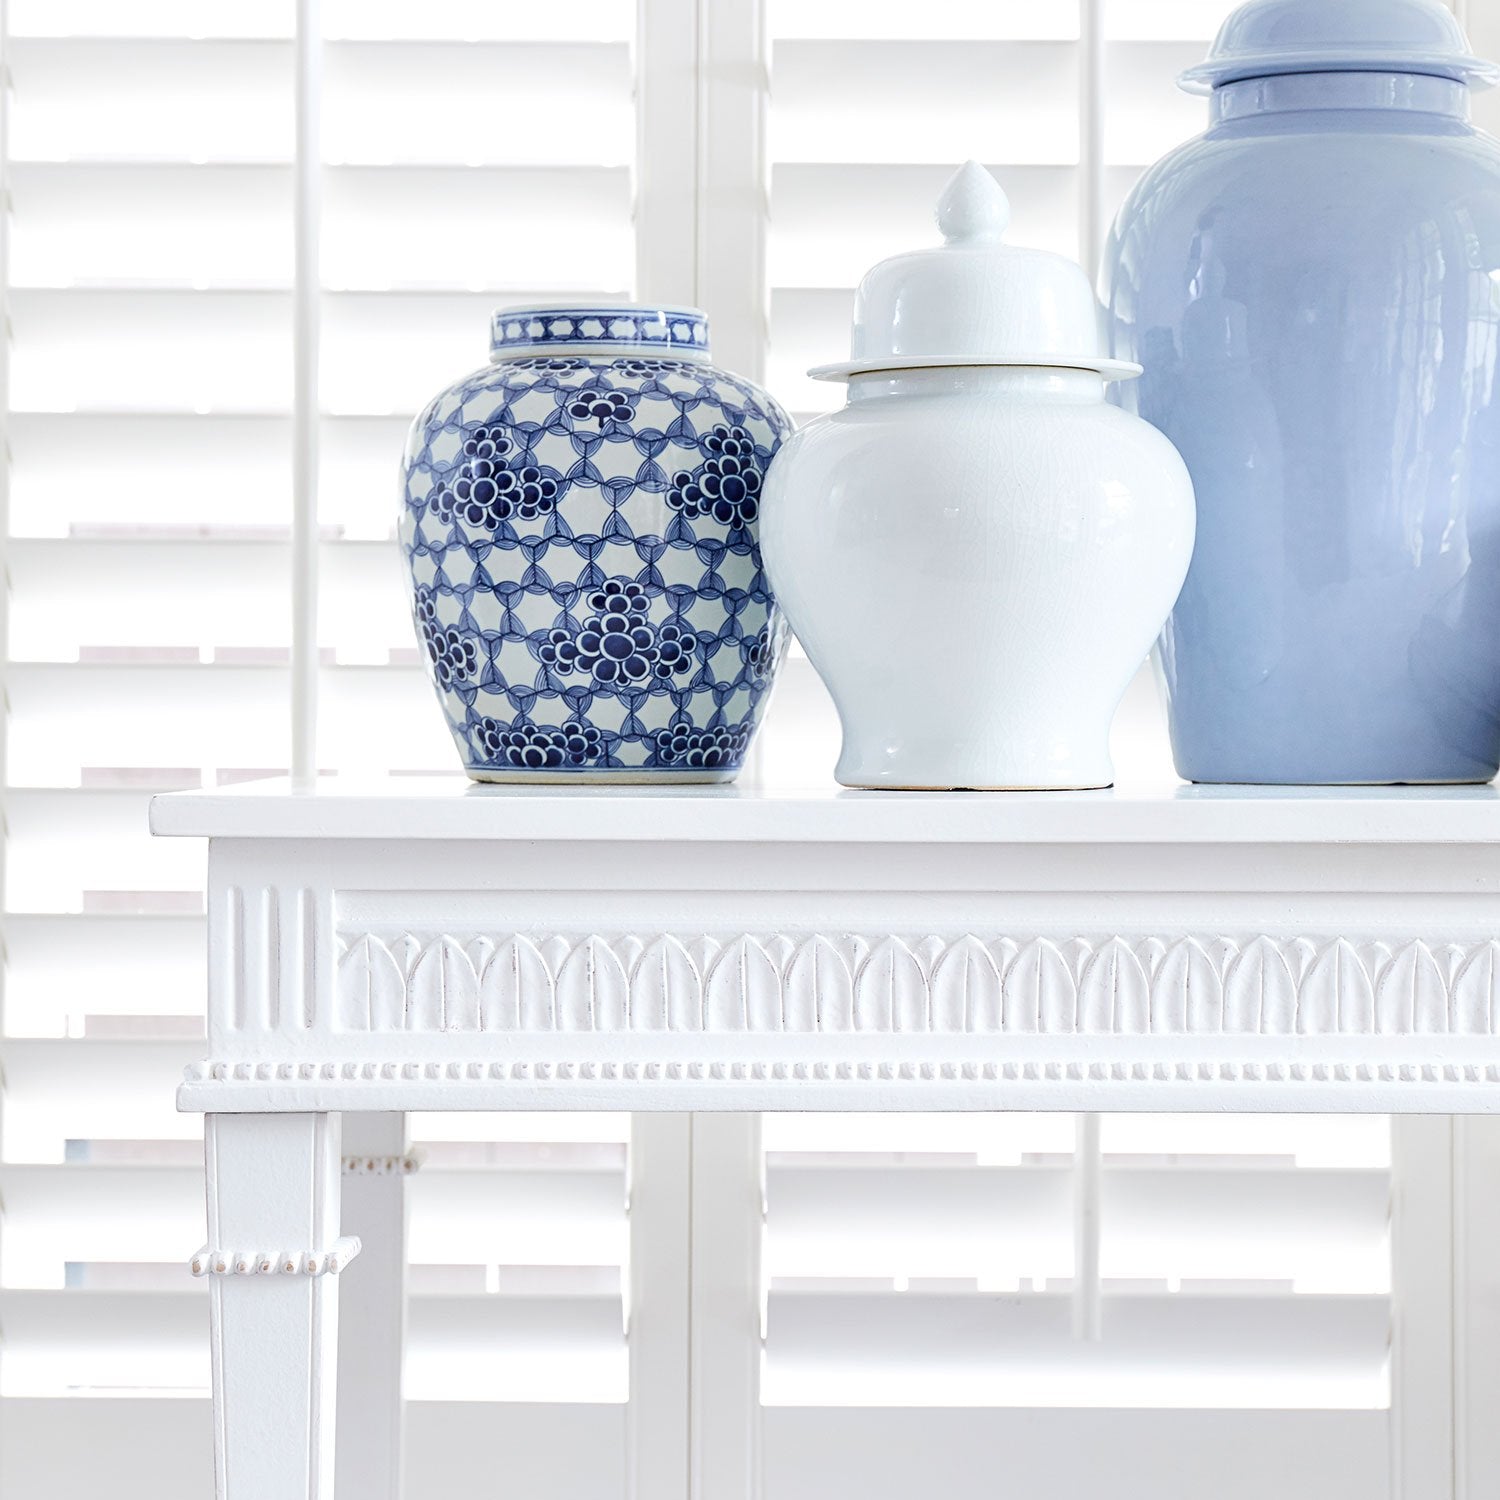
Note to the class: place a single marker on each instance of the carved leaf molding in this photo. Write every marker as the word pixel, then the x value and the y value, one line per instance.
pixel 1262 986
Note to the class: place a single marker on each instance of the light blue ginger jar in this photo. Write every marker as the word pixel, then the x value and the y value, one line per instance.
pixel 1313 288
pixel 581 521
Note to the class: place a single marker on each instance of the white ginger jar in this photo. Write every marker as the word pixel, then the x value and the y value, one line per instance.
pixel 976 551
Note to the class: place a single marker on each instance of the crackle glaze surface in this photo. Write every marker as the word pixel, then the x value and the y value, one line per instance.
pixel 581 527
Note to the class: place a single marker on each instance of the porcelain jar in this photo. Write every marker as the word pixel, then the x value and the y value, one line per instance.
pixel 1313 287
pixel 581 523
pixel 977 551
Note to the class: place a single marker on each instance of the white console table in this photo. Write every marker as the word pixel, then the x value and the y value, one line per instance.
pixel 432 945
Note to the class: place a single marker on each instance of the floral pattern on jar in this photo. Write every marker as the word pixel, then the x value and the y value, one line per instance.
pixel 581 532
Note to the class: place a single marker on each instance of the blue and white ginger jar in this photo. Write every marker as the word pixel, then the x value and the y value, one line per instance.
pixel 581 523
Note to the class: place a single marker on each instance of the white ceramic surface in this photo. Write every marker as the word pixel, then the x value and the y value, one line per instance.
pixel 975 299
pixel 976 561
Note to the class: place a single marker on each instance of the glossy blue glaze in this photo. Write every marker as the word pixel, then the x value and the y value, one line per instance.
pixel 1262 38
pixel 1313 287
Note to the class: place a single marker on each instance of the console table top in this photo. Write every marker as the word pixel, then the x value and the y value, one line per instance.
pixel 451 807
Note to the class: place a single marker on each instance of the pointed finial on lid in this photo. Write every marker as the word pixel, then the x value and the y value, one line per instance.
pixel 975 300
pixel 973 209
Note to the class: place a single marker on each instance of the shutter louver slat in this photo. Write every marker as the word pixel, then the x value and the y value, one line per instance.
pixel 70 596
pixel 1159 1349
pixel 421 99
pixel 486 1347
pixel 93 475
pixel 562 1449
pixel 227 225
pixel 66 846
pixel 164 99
pixel 1130 1454
pixel 230 19
pixel 61 967
pixel 150 705
pixel 127 99
pixel 938 20
pixel 210 225
pixel 99 1090
pixel 461 1217
pixel 458 226
pixel 923 101
pixel 81 473
pixel 1001 1225
pixel 834 220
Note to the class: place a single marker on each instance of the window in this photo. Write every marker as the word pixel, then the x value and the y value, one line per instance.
pixel 754 157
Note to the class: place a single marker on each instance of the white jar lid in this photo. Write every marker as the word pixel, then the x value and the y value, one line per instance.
pixel 974 300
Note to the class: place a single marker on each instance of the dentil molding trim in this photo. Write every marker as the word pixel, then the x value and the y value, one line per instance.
pixel 841 983
pixel 378 1078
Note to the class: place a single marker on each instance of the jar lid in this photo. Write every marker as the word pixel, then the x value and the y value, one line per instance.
pixel 579 327
pixel 974 300
pixel 1264 38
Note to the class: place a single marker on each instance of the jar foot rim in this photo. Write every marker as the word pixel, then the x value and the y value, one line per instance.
pixel 496 776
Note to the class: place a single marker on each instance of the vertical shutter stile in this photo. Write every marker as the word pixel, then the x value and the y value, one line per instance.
pixel 307 213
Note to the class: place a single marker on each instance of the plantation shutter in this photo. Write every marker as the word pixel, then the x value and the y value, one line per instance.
pixel 920 1292
pixel 147 285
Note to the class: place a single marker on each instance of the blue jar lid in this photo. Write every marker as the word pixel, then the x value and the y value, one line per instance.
pixel 1267 37
pixel 579 327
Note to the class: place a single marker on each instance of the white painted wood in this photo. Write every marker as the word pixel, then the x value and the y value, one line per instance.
pixel 814 1453
pixel 1088 1174
pixel 733 183
pixel 657 1311
pixel 1091 105
pixel 1236 1221
pixel 701 190
pixel 1481 19
pixel 150 1448
pixel 6 85
pixel 377 1162
pixel 1476 1309
pixel 437 948
pixel 307 293
pixel 666 156
pixel 1000 960
pixel 273 1186
pixel 450 807
pixel 728 1215
pixel 1422 1309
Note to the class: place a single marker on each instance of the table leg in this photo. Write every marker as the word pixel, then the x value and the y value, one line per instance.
pixel 273 1257
pixel 372 1307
